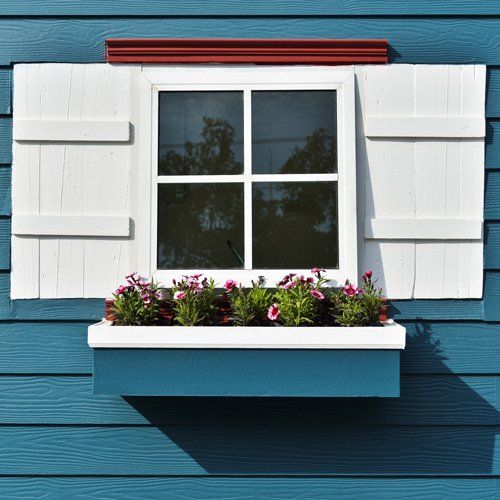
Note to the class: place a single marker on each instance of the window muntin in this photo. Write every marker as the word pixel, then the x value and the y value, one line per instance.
pixel 251 80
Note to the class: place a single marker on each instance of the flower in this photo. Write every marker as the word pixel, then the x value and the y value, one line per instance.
pixel 179 295
pixel 286 279
pixel 273 312
pixel 317 270
pixel 121 289
pixel 351 290
pixel 317 294
pixel 230 285
pixel 289 285
pixel 367 276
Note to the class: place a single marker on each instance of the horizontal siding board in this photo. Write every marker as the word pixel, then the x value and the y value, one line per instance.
pixel 412 40
pixel 56 310
pixel 442 347
pixel 5 91
pixel 5 139
pixel 4 295
pixel 5 191
pixel 491 296
pixel 435 347
pixel 250 450
pixel 436 309
pixel 492 144
pixel 425 400
pixel 44 348
pixel 492 195
pixel 221 488
pixel 37 8
pixel 492 245
pixel 4 244
pixel 493 92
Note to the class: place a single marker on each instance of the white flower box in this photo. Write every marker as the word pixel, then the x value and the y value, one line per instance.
pixel 247 361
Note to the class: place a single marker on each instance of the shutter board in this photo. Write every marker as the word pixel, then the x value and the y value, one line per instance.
pixel 415 177
pixel 424 126
pixel 70 225
pixel 423 229
pixel 71 131
pixel 53 176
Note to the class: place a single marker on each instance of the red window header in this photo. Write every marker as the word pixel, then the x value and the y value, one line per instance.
pixel 245 50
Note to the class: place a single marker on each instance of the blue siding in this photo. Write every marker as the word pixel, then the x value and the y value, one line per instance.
pixel 438 440
pixel 221 488
pixel 412 39
pixel 240 8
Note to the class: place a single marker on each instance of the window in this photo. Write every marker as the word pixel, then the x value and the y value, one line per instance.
pixel 254 177
pixel 251 178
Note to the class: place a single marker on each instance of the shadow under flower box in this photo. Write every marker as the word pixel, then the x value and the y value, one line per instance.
pixel 247 361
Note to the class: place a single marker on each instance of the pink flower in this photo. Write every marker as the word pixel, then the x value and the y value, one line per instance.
pixel 121 289
pixel 367 276
pixel 230 285
pixel 317 294
pixel 286 279
pixel 289 285
pixel 273 312
pixel 179 295
pixel 351 290
pixel 317 270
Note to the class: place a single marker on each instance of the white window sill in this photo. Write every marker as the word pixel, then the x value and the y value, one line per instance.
pixel 104 335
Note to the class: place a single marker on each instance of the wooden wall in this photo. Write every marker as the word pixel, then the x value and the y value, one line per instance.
pixel 439 440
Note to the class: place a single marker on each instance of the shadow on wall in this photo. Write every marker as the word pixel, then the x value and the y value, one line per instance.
pixel 440 424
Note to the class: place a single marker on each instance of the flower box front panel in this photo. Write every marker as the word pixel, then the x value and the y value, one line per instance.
pixel 247 361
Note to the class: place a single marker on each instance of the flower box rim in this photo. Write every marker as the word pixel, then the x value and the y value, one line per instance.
pixel 390 335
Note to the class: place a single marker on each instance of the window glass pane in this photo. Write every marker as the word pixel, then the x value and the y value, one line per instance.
pixel 294 132
pixel 200 133
pixel 295 225
pixel 200 226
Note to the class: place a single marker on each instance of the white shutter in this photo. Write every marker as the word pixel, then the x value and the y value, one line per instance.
pixel 420 160
pixel 70 179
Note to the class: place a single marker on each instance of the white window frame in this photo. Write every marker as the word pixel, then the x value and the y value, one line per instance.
pixel 246 78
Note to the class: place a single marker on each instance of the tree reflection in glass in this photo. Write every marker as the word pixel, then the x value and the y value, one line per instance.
pixel 200 133
pixel 285 122
pixel 200 226
pixel 295 224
